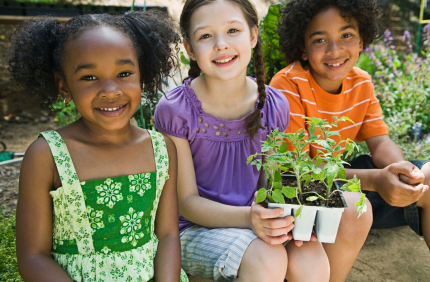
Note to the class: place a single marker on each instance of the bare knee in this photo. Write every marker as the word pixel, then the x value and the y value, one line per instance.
pixel 350 223
pixel 263 263
pixel 307 263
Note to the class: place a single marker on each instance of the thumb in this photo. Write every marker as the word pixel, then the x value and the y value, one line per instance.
pixel 405 168
pixel 255 195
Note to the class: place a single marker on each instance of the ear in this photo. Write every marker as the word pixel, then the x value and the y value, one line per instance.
pixel 189 50
pixel 254 36
pixel 62 88
pixel 304 55
pixel 361 43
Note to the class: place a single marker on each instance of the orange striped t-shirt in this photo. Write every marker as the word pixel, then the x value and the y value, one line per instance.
pixel 356 101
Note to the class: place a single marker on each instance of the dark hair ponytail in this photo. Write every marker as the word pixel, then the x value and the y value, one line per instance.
pixel 32 57
pixel 194 70
pixel 253 122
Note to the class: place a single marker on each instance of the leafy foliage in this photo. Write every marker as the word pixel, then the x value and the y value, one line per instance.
pixel 326 166
pixel 8 264
pixel 274 59
pixel 66 113
pixel 402 84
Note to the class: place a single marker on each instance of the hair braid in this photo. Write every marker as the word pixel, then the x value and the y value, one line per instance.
pixel 253 122
pixel 194 70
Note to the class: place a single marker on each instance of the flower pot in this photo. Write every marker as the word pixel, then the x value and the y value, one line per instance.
pixel 303 224
pixel 326 219
pixel 327 222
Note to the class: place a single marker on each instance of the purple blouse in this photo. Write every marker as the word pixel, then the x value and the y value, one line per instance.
pixel 219 147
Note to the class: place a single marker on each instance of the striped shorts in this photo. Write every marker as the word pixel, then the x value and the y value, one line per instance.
pixel 214 253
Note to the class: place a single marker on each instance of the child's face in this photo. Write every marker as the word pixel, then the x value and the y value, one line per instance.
pixel 102 76
pixel 332 47
pixel 221 40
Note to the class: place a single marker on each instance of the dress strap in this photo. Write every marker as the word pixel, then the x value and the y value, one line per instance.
pixel 162 167
pixel 72 190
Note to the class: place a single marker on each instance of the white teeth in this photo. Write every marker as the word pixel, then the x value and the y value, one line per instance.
pixel 336 65
pixel 110 109
pixel 225 60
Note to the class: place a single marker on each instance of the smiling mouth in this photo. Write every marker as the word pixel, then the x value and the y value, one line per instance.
pixel 110 109
pixel 336 65
pixel 225 60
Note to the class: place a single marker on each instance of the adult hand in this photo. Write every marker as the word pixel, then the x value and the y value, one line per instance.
pixel 268 227
pixel 396 192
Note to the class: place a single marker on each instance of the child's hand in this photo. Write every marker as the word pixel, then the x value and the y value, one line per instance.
pixel 396 192
pixel 268 227
pixel 414 177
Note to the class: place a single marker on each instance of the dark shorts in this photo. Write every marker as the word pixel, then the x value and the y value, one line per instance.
pixel 384 215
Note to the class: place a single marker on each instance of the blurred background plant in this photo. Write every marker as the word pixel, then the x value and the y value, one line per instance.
pixel 401 79
pixel 65 113
pixel 8 264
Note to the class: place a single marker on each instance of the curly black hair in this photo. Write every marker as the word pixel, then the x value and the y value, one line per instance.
pixel 37 49
pixel 298 13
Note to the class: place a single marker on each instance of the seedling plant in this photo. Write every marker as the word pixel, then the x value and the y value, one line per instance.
pixel 326 167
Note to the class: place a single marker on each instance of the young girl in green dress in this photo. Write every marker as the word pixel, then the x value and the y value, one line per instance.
pixel 97 198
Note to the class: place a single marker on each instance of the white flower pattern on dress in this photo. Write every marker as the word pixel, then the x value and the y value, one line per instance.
pixel 95 218
pixel 139 183
pixel 131 223
pixel 73 222
pixel 110 192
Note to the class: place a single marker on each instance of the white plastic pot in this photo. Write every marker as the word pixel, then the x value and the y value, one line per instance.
pixel 326 220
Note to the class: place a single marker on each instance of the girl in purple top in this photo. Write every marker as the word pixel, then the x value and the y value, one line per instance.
pixel 217 119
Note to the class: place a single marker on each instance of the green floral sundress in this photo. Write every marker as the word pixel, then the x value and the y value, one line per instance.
pixel 103 230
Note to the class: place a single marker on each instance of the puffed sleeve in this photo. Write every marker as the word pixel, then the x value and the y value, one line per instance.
pixel 173 114
pixel 277 109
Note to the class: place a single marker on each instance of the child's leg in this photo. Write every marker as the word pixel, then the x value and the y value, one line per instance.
pixel 424 204
pixel 307 263
pixel 350 238
pixel 263 262
pixel 224 254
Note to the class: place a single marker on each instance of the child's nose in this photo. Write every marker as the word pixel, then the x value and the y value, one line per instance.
pixel 221 44
pixel 334 48
pixel 110 90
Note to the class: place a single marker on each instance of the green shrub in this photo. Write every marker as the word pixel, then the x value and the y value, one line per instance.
pixel 8 263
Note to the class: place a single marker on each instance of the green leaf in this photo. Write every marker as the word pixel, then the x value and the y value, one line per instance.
pixel 331 170
pixel 289 192
pixel 250 158
pixel 283 147
pixel 278 177
pixel 277 184
pixel 185 60
pixel 307 178
pixel 361 205
pixel 261 195
pixel 353 185
pixel 299 211
pixel 312 198
pixel 319 161
pixel 278 197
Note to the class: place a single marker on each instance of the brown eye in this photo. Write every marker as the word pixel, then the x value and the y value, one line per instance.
pixel 204 36
pixel 89 77
pixel 124 74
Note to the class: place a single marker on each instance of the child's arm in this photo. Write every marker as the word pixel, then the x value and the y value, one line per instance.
pixel 396 179
pixel 34 216
pixel 211 214
pixel 168 258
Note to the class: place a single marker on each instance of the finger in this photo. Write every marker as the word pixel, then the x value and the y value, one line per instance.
pixel 275 223
pixel 405 168
pixel 278 231
pixel 264 213
pixel 298 243
pixel 411 191
pixel 275 240
pixel 411 181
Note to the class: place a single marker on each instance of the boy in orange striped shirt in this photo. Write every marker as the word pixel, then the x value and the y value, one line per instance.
pixel 323 40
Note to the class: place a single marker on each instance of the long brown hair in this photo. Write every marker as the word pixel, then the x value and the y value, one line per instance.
pixel 253 122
